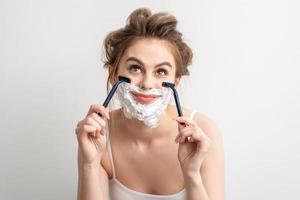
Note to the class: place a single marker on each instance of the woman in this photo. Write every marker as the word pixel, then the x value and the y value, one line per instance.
pixel 142 150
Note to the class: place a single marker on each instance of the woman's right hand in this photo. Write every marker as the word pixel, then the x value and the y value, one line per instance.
pixel 91 135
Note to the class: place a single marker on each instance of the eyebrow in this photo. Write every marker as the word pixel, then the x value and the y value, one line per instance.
pixel 141 63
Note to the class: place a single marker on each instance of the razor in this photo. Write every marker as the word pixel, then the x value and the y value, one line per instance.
pixel 114 88
pixel 172 86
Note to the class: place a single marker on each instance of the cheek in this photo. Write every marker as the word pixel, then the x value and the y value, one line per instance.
pixel 123 72
pixel 120 71
pixel 134 80
pixel 128 75
pixel 171 78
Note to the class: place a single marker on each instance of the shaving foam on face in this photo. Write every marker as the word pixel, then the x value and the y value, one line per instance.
pixel 148 113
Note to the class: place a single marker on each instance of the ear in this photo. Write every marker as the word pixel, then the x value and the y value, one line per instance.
pixel 113 78
pixel 177 80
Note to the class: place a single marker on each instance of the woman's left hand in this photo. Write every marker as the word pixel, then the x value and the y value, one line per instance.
pixel 193 145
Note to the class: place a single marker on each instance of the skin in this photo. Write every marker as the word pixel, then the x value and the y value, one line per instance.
pixel 178 154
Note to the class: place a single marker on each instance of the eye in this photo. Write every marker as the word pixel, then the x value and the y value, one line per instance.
pixel 162 72
pixel 135 68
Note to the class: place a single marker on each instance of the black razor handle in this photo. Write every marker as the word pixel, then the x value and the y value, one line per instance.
pixel 114 88
pixel 172 86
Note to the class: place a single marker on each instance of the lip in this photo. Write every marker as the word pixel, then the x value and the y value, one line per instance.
pixel 144 99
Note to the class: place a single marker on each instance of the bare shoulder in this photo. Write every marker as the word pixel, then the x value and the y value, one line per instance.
pixel 208 126
pixel 200 118
pixel 211 129
pixel 213 167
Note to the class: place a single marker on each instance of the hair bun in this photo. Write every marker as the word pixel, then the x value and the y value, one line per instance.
pixel 162 24
pixel 138 16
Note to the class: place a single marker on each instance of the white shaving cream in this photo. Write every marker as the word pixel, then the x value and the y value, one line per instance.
pixel 148 113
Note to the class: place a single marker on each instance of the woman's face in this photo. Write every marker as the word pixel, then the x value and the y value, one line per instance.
pixel 148 63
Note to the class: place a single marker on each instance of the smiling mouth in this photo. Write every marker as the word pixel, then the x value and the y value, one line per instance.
pixel 144 99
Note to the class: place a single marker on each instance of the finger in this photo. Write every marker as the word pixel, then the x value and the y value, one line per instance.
pixel 185 135
pixel 86 129
pixel 99 109
pixel 90 121
pixel 98 119
pixel 187 128
pixel 193 127
pixel 177 138
pixel 185 121
pixel 180 137
pixel 193 134
pixel 180 132
pixel 195 138
pixel 102 132
pixel 98 134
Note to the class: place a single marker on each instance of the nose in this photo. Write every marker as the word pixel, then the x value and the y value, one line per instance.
pixel 147 82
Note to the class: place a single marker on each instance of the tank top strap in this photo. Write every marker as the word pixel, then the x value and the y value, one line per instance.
pixel 110 151
pixel 192 114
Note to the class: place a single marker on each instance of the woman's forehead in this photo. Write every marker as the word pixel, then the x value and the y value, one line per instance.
pixel 150 51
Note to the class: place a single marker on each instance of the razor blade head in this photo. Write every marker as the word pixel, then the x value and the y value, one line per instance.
pixel 124 79
pixel 168 84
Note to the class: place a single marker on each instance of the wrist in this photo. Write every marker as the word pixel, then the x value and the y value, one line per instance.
pixel 88 162
pixel 89 166
pixel 191 174
pixel 193 178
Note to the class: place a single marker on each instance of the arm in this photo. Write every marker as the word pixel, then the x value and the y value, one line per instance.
pixel 213 167
pixel 203 169
pixel 195 187
pixel 92 178
pixel 210 182
pixel 92 182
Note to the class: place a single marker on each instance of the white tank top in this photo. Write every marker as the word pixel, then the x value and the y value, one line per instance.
pixel 118 191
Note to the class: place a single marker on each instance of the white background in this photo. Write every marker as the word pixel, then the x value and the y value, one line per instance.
pixel 245 76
